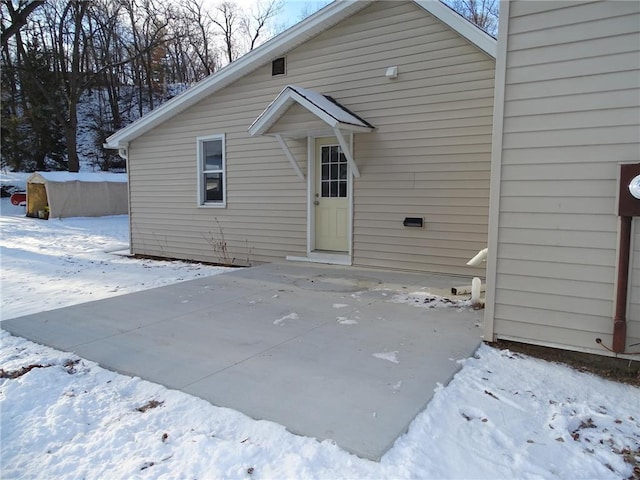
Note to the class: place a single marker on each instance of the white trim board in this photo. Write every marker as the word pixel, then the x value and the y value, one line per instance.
pixel 496 175
pixel 326 258
pixel 311 188
pixel 457 22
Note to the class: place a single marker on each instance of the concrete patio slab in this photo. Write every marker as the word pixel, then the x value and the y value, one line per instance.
pixel 322 350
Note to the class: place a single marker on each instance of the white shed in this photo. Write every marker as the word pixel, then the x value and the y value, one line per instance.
pixel 65 194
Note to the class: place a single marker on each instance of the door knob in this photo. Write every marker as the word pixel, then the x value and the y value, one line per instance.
pixel 316 202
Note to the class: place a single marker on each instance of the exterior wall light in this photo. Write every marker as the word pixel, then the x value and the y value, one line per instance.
pixel 634 187
pixel 391 73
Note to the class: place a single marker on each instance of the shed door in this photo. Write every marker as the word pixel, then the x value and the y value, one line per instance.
pixel 331 197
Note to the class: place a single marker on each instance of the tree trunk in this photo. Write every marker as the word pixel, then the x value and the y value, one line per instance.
pixel 70 134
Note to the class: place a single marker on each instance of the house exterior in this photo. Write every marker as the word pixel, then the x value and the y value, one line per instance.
pixel 567 116
pixel 360 136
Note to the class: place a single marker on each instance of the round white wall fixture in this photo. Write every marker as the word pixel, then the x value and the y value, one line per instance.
pixel 634 187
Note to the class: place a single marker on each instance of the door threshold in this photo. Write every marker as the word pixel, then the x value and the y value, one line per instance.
pixel 323 257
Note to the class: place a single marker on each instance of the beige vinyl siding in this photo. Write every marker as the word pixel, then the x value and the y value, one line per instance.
pixel 571 116
pixel 297 118
pixel 429 155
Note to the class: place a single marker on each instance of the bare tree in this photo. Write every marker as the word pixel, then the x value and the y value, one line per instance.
pixel 483 13
pixel 107 52
pixel 149 22
pixel 124 53
pixel 200 36
pixel 60 33
pixel 17 17
pixel 254 22
pixel 227 18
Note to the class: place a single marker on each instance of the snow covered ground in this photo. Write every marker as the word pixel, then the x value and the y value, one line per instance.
pixel 504 415
pixel 56 263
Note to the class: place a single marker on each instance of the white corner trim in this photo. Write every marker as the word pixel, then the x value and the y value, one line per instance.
pixel 311 180
pixel 289 155
pixel 458 23
pixel 496 173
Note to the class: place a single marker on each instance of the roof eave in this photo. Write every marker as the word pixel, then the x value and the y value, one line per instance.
pixel 350 127
pixel 272 113
pixel 458 23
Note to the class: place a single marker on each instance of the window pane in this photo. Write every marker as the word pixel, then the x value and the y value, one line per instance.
pixel 325 172
pixel 212 150
pixel 343 171
pixel 342 189
pixel 334 188
pixel 334 154
pixel 325 189
pixel 325 154
pixel 213 187
pixel 334 171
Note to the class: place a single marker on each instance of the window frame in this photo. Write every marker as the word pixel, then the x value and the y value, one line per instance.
pixel 200 142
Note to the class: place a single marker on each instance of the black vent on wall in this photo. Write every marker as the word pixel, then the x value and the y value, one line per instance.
pixel 413 222
pixel 278 67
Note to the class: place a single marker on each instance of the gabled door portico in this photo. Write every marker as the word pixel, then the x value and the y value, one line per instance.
pixel 329 129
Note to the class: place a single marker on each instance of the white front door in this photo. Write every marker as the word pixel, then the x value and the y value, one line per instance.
pixel 331 197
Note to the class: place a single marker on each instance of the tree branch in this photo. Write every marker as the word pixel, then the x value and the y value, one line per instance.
pixel 18 18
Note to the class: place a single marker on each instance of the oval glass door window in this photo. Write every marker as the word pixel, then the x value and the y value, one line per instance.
pixel 634 187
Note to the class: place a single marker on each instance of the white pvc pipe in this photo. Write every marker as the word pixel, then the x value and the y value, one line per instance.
pixel 476 287
pixel 480 257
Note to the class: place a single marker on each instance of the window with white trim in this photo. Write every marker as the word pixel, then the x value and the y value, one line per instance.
pixel 211 171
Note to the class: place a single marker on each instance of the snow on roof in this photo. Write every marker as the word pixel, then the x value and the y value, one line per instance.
pixel 77 177
pixel 330 106
pixel 323 106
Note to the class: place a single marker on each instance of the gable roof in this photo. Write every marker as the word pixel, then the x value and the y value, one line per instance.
pixel 278 46
pixel 322 106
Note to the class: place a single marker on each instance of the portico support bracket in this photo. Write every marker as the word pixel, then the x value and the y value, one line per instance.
pixel 347 152
pixel 289 155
